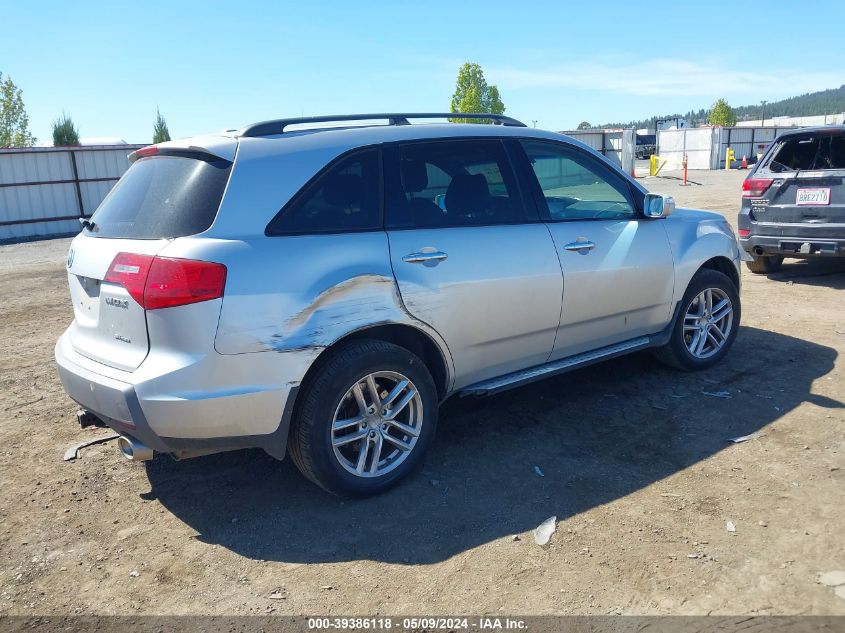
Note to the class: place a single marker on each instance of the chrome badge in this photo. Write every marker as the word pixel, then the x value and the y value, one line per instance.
pixel 70 255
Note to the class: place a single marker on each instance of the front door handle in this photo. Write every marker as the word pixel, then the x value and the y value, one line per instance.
pixel 579 247
pixel 423 257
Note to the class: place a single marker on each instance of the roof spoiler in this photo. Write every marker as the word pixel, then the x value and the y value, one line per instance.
pixel 191 151
pixel 277 126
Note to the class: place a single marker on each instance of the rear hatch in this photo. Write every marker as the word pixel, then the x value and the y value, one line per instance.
pixel 165 194
pixel 803 181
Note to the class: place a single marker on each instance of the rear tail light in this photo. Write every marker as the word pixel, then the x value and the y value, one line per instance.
pixel 755 187
pixel 744 232
pixel 166 282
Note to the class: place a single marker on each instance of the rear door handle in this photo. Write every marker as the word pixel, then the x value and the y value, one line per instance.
pixel 422 257
pixel 580 246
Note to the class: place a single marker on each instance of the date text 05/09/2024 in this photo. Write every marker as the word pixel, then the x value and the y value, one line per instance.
pixel 417 623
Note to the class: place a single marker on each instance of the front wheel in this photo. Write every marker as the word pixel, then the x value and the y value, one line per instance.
pixel 707 323
pixel 365 420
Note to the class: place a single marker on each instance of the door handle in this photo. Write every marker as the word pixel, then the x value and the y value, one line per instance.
pixel 422 257
pixel 580 246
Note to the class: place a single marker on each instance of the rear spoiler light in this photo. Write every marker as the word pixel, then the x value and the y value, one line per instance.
pixel 149 150
pixel 755 187
pixel 167 282
pixel 185 152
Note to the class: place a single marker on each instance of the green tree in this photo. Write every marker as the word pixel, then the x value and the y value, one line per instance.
pixel 721 114
pixel 14 122
pixel 160 131
pixel 474 94
pixel 584 125
pixel 64 132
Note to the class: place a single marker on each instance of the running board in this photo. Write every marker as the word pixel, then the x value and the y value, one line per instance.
pixel 524 376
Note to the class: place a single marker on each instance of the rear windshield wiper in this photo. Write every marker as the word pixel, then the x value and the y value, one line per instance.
pixel 88 224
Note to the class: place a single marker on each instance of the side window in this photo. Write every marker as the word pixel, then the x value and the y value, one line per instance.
pixel 453 183
pixel 577 187
pixel 344 198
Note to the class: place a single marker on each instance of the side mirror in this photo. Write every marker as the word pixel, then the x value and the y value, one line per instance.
pixel 656 205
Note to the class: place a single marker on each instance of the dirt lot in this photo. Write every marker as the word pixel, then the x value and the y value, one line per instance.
pixel 636 466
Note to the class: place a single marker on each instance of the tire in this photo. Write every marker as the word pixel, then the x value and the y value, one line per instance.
pixel 677 353
pixel 329 395
pixel 765 265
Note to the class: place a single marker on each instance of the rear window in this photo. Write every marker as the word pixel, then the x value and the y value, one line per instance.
pixel 162 197
pixel 809 152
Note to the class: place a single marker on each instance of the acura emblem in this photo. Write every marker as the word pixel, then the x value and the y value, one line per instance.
pixel 70 257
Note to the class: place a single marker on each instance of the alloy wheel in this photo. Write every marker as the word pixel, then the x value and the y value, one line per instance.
pixel 377 424
pixel 708 322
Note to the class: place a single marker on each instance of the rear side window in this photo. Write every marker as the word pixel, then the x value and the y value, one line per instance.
pixel 809 153
pixel 162 197
pixel 453 183
pixel 346 197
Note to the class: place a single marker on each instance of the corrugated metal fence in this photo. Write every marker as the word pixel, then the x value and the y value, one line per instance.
pixel 748 141
pixel 45 190
pixel 700 145
pixel 617 145
pixel 705 147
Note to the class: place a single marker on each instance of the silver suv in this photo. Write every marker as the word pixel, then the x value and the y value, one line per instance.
pixel 319 291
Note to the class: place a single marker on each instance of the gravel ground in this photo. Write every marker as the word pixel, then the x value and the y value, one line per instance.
pixel 635 461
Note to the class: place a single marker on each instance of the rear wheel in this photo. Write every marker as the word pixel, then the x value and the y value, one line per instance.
pixel 365 420
pixel 706 325
pixel 765 264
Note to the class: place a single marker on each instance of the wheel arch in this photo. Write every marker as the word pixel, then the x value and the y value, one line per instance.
pixel 723 265
pixel 411 338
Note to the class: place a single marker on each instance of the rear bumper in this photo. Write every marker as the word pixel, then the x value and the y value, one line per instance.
pixel 208 403
pixel 793 246
pixel 114 402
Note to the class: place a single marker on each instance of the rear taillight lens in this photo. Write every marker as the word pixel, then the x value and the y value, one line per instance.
pixel 130 271
pixel 744 232
pixel 166 282
pixel 177 282
pixel 755 187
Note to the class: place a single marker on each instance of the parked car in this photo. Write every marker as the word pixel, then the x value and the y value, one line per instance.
pixel 793 201
pixel 320 292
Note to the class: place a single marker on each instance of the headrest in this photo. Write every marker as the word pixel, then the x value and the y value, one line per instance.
pixel 344 190
pixel 467 194
pixel 414 176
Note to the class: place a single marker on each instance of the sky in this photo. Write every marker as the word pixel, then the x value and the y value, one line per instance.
pixel 214 65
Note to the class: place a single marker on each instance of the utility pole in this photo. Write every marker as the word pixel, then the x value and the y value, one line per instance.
pixel 763 113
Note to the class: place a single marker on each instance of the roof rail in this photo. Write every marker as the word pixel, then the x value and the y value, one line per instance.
pixel 277 126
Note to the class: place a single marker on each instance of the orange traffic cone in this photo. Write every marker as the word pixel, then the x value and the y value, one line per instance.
pixel 744 162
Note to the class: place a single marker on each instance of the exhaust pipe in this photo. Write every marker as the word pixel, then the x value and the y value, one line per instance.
pixel 758 250
pixel 133 450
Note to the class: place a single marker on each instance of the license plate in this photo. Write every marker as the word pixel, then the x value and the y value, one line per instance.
pixel 813 196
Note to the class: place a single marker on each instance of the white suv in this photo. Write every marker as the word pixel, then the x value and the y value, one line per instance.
pixel 320 291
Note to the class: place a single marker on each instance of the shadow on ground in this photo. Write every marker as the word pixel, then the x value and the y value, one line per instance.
pixel 598 434
pixel 813 272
